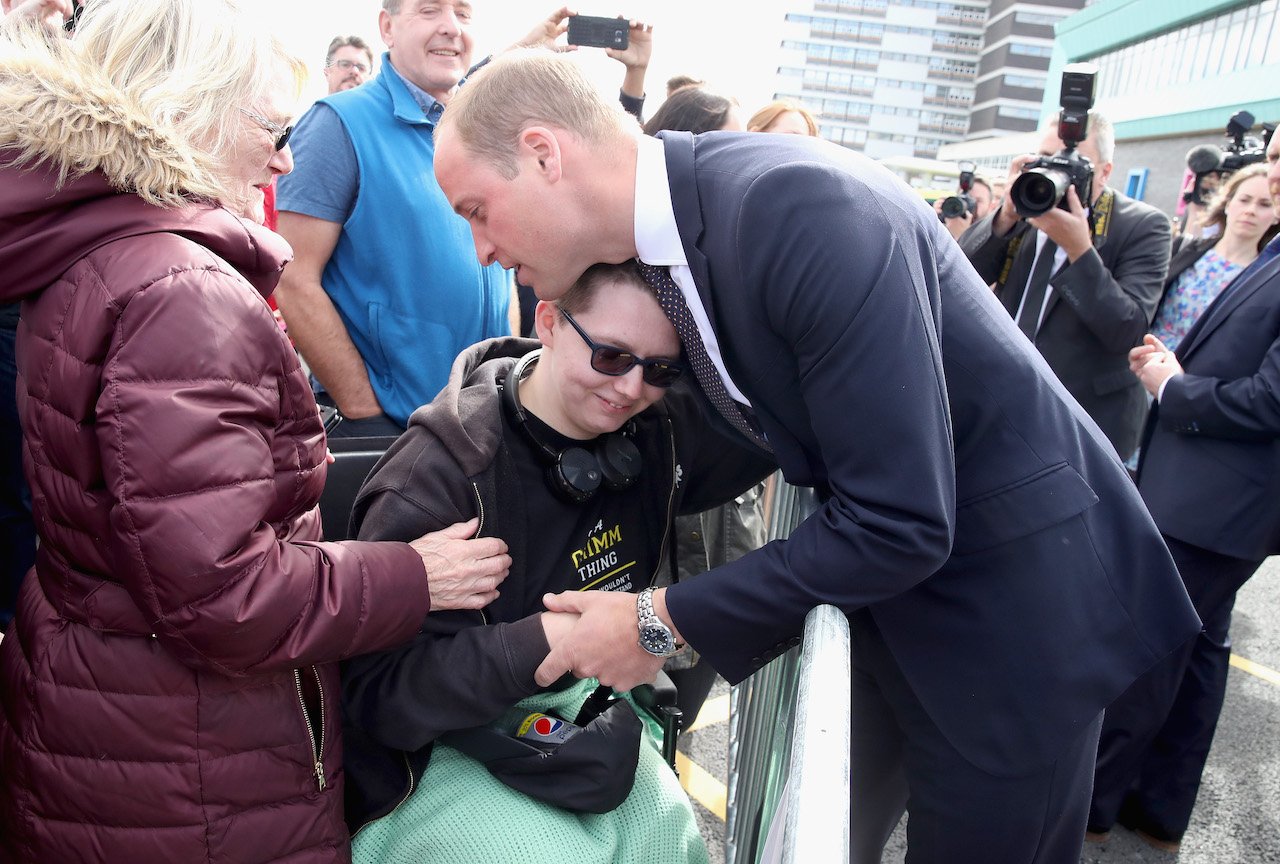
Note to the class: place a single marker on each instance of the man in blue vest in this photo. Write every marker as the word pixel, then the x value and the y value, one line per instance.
pixel 385 289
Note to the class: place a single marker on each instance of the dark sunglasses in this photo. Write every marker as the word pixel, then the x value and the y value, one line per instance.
pixel 281 133
pixel 610 360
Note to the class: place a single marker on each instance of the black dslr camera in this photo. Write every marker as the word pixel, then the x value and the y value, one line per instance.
pixel 1044 181
pixel 958 205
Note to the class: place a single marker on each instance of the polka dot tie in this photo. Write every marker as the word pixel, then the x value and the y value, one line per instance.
pixel 673 304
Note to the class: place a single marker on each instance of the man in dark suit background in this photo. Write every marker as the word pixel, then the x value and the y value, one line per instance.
pixel 1210 474
pixel 1003 580
pixel 1104 283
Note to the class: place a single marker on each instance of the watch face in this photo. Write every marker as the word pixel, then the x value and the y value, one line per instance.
pixel 656 639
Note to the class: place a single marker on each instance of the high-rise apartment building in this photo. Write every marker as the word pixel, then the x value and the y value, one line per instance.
pixel 905 77
pixel 1017 45
pixel 887 77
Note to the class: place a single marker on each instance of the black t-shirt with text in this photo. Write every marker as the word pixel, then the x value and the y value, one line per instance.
pixel 611 542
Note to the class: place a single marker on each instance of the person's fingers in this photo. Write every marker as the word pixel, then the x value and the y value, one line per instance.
pixel 553 667
pixel 459 530
pixel 565 601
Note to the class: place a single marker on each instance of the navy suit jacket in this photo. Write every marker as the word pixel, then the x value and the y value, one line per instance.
pixel 969 503
pixel 1210 468
pixel 1100 307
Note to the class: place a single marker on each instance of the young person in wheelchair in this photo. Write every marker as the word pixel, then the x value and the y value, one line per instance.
pixel 579 454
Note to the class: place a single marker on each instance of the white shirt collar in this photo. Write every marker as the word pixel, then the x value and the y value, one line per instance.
pixel 657 237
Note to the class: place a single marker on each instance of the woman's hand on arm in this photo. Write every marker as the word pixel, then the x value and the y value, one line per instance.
pixel 462 573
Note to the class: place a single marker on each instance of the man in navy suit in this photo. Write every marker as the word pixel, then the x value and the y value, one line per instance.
pixel 1003 580
pixel 1210 474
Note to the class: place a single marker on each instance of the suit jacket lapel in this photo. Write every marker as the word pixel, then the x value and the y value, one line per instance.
pixel 1054 296
pixel 1232 296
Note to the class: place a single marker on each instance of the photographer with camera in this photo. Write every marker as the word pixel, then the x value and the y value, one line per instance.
pixel 1082 284
pixel 972 201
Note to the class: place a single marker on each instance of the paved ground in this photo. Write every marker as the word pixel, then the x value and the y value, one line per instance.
pixel 1237 819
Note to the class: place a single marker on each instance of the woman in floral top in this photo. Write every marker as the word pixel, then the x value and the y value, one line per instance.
pixel 1239 223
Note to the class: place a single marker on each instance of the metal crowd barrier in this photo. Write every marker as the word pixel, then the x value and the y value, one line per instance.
pixel 788 796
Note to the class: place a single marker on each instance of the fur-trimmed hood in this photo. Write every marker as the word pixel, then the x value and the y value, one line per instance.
pixel 59 110
pixel 80 167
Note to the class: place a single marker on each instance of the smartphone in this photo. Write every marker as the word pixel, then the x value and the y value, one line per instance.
pixel 596 32
pixel 330 418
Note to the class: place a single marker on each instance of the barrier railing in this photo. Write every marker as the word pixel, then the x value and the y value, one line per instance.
pixel 788 795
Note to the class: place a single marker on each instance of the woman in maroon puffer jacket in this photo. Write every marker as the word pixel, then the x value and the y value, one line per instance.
pixel 167 690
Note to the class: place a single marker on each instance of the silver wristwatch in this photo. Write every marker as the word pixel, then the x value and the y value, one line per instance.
pixel 655 637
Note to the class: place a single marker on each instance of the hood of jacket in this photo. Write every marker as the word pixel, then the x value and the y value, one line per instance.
pixel 81 165
pixel 465 416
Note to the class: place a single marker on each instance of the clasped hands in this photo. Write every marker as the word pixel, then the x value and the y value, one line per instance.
pixel 593 634
pixel 1153 363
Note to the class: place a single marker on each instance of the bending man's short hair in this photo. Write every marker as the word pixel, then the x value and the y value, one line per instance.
pixel 528 87
pixel 582 294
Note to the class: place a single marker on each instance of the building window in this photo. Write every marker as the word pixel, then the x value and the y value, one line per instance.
pixel 1245 37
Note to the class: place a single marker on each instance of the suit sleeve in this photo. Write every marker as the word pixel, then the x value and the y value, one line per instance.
pixel 1117 301
pixel 846 277
pixel 1243 409
pixel 190 408
pixel 459 671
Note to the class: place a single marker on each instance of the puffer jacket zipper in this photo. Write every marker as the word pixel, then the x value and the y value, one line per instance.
pixel 315 736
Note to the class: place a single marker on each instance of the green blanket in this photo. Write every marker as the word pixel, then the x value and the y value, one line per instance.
pixel 461 814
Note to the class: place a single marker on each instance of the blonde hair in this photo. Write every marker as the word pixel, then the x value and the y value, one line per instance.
pixel 525 87
pixel 765 117
pixel 149 92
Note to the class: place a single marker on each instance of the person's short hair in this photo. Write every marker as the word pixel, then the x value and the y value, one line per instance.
pixel 582 294
pixel 345 41
pixel 524 87
pixel 693 109
pixel 391 7
pixel 1101 131
pixel 763 119
pixel 978 181
pixel 679 82
pixel 186 68
pixel 1216 214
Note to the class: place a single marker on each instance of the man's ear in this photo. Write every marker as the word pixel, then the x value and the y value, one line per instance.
pixel 1102 175
pixel 539 145
pixel 384 27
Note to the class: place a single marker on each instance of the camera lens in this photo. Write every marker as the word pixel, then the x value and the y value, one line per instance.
pixel 1038 190
pixel 953 207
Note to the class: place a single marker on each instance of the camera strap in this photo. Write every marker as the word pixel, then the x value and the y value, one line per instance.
pixel 1099 224
pixel 1100 215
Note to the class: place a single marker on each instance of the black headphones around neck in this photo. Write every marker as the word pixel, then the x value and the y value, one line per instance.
pixel 575 473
